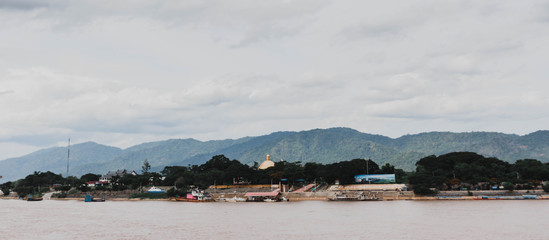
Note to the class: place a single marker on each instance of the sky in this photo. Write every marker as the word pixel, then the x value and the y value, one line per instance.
pixel 123 72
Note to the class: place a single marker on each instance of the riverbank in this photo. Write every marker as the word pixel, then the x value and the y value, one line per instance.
pixel 387 195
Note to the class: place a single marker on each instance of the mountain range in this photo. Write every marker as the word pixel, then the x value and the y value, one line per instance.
pixel 319 145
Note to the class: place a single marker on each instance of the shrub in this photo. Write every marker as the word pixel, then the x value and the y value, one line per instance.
pixel 101 188
pixel 62 188
pixel 84 188
pixel 423 190
pixel 546 187
pixel 172 192
pixel 119 187
pixel 508 186
pixel 59 195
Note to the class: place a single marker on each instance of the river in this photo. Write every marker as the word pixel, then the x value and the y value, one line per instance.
pixel 52 219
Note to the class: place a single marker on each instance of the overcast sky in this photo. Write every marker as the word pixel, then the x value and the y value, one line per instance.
pixel 126 72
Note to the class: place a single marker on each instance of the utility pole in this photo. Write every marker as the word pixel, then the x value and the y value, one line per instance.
pixel 68 157
pixel 368 170
pixel 367 161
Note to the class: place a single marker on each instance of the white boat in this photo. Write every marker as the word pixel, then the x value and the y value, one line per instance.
pixel 238 199
pixel 233 199
pixel 156 190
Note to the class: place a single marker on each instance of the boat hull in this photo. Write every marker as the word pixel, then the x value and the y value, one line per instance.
pixel 354 199
pixel 89 198
pixel 180 199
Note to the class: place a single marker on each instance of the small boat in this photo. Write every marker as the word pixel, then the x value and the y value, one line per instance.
pixel 486 198
pixel 233 199
pixel 239 199
pixel 155 190
pixel 449 198
pixel 499 198
pixel 184 199
pixel 31 198
pixel 354 197
pixel 544 197
pixel 89 198
pixel 195 196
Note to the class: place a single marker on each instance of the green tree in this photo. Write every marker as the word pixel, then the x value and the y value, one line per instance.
pixel 129 180
pixel 531 169
pixel 74 181
pixel 84 188
pixel 423 190
pixel 88 177
pixel 468 167
pixel 63 188
pixel 6 188
pixel 23 191
pixel 387 169
pixel 173 192
pixel 146 167
pixel 173 173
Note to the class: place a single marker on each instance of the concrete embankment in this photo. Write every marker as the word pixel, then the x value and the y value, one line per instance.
pixel 324 195
pixel 307 196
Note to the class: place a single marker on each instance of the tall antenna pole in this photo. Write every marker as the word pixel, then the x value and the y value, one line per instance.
pixel 367 168
pixel 68 156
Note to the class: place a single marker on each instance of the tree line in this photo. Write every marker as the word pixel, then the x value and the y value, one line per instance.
pixel 471 171
pixel 218 170
pixel 452 171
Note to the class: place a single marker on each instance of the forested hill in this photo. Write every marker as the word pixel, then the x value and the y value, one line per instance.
pixel 320 145
pixel 339 144
pixel 55 160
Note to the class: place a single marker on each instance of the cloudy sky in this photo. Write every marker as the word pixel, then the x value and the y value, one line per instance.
pixel 126 72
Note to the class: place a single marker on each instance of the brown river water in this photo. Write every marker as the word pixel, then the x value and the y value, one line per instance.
pixel 50 219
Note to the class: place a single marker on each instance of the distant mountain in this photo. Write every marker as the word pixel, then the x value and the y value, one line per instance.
pixel 319 145
pixel 163 153
pixel 55 160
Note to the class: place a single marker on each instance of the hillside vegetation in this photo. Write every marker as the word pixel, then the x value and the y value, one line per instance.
pixel 320 145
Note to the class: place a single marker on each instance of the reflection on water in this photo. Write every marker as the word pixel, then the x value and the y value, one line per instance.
pixel 291 220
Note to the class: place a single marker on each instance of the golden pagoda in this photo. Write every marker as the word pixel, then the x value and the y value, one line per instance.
pixel 267 163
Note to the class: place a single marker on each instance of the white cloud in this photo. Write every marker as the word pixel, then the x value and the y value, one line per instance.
pixel 126 72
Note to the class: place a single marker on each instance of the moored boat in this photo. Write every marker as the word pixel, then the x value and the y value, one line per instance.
pixel 354 197
pixel 184 199
pixel 449 198
pixel 502 198
pixel 195 196
pixel 31 198
pixel 89 198
pixel 233 199
pixel 155 189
